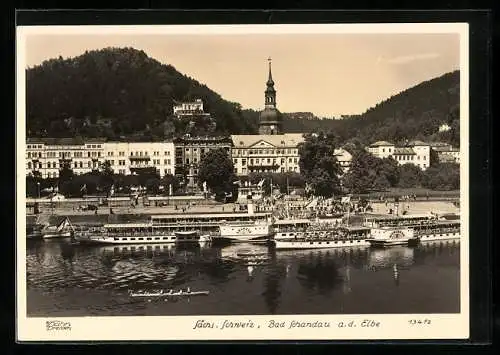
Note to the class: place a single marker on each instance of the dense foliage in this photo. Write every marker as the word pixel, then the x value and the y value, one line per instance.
pixel 217 170
pixel 132 93
pixel 319 166
pixel 368 173
pixel 445 176
pixel 416 113
pixel 101 182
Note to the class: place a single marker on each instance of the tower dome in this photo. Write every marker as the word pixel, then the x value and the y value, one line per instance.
pixel 271 120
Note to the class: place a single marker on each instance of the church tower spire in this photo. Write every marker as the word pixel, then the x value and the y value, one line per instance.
pixel 270 93
pixel 271 121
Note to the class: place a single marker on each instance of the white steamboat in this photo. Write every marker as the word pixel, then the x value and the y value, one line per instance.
pixel 183 228
pixel 139 233
pixel 301 234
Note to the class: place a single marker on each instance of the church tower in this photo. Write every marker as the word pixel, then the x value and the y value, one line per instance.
pixel 271 121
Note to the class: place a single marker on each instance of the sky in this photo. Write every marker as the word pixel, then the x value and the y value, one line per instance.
pixel 327 74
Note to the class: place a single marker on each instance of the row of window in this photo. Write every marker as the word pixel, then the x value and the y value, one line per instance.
pixel 57 165
pixel 146 154
pixel 89 164
pixel 255 170
pixel 63 154
pixel 195 150
pixel 239 152
pixel 55 174
pixel 112 154
pixel 264 160
pixel 409 157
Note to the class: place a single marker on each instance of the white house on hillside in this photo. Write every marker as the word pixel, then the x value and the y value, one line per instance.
pixel 415 152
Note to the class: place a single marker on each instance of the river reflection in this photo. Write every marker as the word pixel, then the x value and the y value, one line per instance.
pixel 71 280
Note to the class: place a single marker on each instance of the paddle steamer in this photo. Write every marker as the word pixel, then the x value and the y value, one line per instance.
pixel 182 228
pixel 303 234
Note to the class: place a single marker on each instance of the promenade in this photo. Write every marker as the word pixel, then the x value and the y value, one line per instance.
pixel 416 207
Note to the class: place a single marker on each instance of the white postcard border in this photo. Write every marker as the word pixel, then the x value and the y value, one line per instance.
pixel 397 326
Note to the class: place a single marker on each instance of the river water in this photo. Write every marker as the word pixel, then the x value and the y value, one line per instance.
pixel 71 280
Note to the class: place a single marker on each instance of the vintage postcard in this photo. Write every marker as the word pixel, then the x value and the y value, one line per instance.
pixel 248 182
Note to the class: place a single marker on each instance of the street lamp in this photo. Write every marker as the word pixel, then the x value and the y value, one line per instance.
pixel 38 185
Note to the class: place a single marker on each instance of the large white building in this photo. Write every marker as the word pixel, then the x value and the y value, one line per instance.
pixel 274 153
pixel 446 153
pixel 182 109
pixel 48 156
pixel 130 157
pixel 381 149
pixel 416 152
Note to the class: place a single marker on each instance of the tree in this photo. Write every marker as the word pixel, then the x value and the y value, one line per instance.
pixel 153 185
pixel 390 169
pixel 369 173
pixel 65 177
pixel 324 184
pixel 181 173
pixel 170 180
pixel 106 177
pixel 34 182
pixel 381 183
pixel 217 170
pixel 410 176
pixel 319 165
pixel 444 176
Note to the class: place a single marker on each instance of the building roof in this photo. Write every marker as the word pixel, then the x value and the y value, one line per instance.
pixel 404 151
pixel 56 141
pixel 196 139
pixel 381 144
pixel 277 140
pixel 439 144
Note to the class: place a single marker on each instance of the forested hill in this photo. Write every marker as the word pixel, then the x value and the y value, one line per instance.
pixel 132 92
pixel 416 113
pixel 121 92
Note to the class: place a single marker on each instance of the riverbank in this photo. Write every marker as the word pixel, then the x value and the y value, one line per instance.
pixel 416 207
pixel 420 194
pixel 142 214
pixel 123 214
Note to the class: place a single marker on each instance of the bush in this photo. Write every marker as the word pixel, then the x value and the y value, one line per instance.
pixel 445 176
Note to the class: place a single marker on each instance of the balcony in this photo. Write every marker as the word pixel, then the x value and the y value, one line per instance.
pixel 141 166
pixel 136 158
pixel 263 165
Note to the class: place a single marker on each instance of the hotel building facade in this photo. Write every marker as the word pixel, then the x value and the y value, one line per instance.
pixel 266 153
pixel 48 156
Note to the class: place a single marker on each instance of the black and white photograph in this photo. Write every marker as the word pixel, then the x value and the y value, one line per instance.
pixel 242 182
